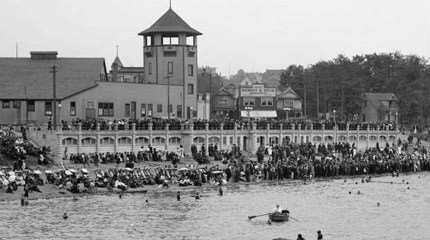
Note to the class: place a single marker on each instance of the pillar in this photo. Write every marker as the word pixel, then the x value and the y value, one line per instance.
pixel 133 137
pixel 167 134
pixel 207 139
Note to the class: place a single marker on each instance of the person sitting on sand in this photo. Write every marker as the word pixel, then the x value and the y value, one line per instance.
pixel 300 237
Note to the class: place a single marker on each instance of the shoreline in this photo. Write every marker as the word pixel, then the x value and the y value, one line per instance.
pixel 50 191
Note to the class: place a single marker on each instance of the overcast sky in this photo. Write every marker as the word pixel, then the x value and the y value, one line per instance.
pixel 253 35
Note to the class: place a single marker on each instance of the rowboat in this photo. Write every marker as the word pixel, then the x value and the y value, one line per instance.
pixel 279 217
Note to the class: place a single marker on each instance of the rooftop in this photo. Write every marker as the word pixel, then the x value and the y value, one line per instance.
pixel 170 22
pixel 31 78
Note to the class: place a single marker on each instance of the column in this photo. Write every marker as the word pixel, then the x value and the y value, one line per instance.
pixel 97 137
pixel 78 150
pixel 133 137
pixel 207 138
pixel 167 134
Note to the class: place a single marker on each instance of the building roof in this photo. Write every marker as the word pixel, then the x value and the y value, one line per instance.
pixel 289 93
pixel 27 78
pixel 380 96
pixel 117 62
pixel 170 22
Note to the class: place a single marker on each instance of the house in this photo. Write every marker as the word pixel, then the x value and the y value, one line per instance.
pixel 289 104
pixel 377 107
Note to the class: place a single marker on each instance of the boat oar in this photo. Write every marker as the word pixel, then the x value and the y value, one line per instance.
pixel 295 219
pixel 251 217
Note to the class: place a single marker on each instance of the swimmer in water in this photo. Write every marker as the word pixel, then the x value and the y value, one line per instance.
pixel 65 216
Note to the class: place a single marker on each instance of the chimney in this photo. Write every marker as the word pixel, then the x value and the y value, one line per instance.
pixel 43 55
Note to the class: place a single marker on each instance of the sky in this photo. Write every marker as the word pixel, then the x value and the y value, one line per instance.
pixel 253 35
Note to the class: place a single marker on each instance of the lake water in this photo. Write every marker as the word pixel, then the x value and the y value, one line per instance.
pixel 323 205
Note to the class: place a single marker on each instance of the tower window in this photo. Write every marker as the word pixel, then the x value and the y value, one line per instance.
pixel 159 108
pixel 190 70
pixel 149 68
pixel 170 67
pixel 190 89
pixel 190 41
pixel 148 41
pixel 170 40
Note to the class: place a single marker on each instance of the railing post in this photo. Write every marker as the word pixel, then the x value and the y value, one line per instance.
pixel 133 137
pixel 167 132
pixel 299 132
pixel 281 134
pixel 79 137
pixel 97 137
pixel 311 135
pixel 221 144
pixel 207 138
pixel 150 125
pixel 267 134
pixel 115 127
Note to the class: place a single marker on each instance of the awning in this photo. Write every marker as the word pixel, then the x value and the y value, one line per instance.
pixel 258 114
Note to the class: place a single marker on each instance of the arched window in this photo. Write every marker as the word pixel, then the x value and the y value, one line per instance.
pixel 214 140
pixel 88 141
pixel 142 140
pixel 70 141
pixel 198 140
pixel 175 140
pixel 107 141
pixel 124 140
pixel 158 140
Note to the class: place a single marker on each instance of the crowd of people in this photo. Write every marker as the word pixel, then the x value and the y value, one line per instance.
pixel 226 124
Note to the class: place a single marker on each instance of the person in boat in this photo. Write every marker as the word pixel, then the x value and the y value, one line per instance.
pixel 300 237
pixel 277 209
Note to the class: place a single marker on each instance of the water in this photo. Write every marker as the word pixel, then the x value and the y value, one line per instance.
pixel 325 206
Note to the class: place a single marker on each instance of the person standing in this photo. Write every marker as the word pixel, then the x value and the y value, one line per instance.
pixel 319 235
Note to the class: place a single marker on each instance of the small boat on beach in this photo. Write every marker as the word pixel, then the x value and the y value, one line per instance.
pixel 279 217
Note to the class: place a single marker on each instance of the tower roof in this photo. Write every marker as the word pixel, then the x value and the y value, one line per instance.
pixel 170 22
pixel 117 61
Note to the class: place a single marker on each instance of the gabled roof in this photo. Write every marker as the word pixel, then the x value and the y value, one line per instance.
pixel 170 22
pixel 117 61
pixel 224 92
pixel 380 96
pixel 289 93
pixel 26 78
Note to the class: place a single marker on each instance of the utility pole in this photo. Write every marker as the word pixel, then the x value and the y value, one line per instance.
pixel 210 97
pixel 54 95
pixel 318 98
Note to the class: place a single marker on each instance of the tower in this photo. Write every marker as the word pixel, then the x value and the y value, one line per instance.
pixel 170 58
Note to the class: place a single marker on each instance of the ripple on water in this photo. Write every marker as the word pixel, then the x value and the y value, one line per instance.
pixel 324 205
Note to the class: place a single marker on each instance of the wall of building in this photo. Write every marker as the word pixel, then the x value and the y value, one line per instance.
pixel 121 94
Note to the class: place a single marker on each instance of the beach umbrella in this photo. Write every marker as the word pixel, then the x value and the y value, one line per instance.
pixel 12 178
pixel 37 172
pixel 84 171
pixel 68 172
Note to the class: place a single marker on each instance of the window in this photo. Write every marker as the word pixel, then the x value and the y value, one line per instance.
pixel 106 109
pixel 149 68
pixel 190 89
pixel 148 41
pixel 90 104
pixel 16 104
pixel 170 108
pixel 143 110
pixel 170 40
pixel 127 110
pixel 266 101
pixel 179 111
pixel 72 108
pixel 31 106
pixel 170 67
pixel 5 104
pixel 48 108
pixel 190 41
pixel 248 102
pixel 190 70
pixel 150 110
pixel 159 108
pixel 288 103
